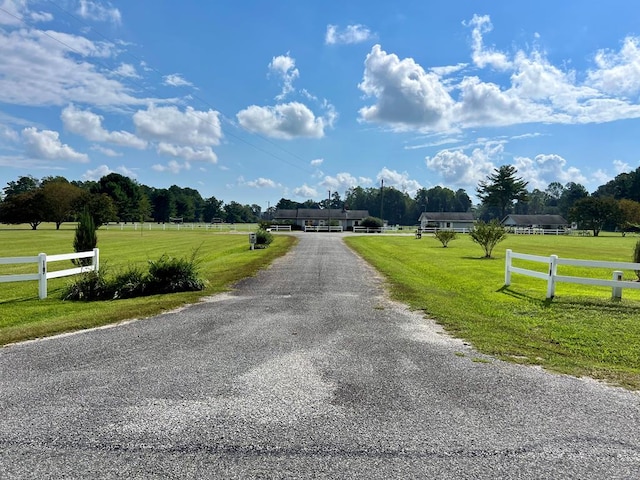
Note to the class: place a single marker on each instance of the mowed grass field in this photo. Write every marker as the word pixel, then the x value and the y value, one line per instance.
pixel 224 258
pixel 581 331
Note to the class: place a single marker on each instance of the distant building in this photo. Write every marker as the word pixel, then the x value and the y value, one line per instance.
pixel 544 222
pixel 315 217
pixel 446 220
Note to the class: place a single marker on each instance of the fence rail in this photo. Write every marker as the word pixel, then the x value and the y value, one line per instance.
pixel 280 228
pixel 41 260
pixel 323 228
pixel 552 277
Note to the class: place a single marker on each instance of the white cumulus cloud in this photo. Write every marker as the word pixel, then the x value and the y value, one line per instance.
pixel 284 67
pixel 204 154
pixel 406 95
pixel 46 144
pixel 350 34
pixel 176 80
pixel 97 10
pixel 543 169
pixel 305 191
pixel 399 180
pixel 89 125
pixel 170 125
pixel 285 121
pixel 261 183
pixel 463 170
pixel 173 166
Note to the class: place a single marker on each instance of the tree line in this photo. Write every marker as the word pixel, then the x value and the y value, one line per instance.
pixel 115 197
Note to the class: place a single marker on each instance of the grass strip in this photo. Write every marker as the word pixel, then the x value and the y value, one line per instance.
pixel 580 332
pixel 223 260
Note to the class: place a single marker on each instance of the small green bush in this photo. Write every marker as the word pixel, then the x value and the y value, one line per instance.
pixel 488 235
pixel 165 275
pixel 372 222
pixel 263 237
pixel 168 275
pixel 130 283
pixel 445 236
pixel 89 286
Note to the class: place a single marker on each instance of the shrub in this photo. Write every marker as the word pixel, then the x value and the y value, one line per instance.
pixel 372 222
pixel 165 275
pixel 89 286
pixel 263 237
pixel 85 238
pixel 168 274
pixel 488 235
pixel 264 224
pixel 130 283
pixel 445 236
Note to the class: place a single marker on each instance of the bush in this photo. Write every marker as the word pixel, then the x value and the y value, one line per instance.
pixel 168 275
pixel 372 222
pixel 488 235
pixel 165 275
pixel 130 283
pixel 263 238
pixel 85 238
pixel 445 236
pixel 89 286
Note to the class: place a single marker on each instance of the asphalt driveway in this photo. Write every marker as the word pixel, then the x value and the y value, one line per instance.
pixel 305 371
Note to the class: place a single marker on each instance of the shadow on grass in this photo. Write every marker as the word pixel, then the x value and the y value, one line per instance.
pixel 543 302
pixel 628 308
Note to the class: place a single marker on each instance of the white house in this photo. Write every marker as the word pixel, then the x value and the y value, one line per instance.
pixel 446 220
pixel 316 217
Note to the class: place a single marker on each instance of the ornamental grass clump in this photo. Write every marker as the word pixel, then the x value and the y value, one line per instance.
pixel 165 275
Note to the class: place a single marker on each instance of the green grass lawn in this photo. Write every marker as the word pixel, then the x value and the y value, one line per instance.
pixel 580 332
pixel 224 259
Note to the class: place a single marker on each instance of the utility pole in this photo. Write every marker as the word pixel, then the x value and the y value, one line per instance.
pixel 329 206
pixel 382 200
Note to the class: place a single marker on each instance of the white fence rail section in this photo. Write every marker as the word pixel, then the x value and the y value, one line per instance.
pixel 280 228
pixel 552 277
pixel 323 228
pixel 43 274
pixel 215 227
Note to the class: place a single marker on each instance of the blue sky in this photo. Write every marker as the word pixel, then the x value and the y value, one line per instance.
pixel 253 101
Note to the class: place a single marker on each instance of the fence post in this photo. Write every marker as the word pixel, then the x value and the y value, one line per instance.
pixel 42 272
pixel 507 268
pixel 616 292
pixel 95 261
pixel 553 270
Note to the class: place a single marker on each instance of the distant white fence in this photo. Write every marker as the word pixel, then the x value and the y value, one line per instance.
pixel 280 228
pixel 43 274
pixel 216 227
pixel 323 228
pixel 367 230
pixel 552 277
pixel 436 229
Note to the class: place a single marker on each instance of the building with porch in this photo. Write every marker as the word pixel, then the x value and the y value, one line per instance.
pixel 314 217
pixel 446 220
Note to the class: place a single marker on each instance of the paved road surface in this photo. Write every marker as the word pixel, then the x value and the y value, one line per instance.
pixel 305 371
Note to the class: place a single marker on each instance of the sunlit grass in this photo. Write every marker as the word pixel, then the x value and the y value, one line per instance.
pixel 580 332
pixel 223 259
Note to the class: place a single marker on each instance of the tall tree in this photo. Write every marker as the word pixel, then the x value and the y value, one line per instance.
pixel 593 213
pixel 212 209
pixel 125 193
pixel 25 207
pixel 59 197
pixel 502 188
pixel 570 195
pixel 22 185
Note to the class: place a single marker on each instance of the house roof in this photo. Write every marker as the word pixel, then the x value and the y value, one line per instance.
pixel 446 217
pixel 534 220
pixel 320 214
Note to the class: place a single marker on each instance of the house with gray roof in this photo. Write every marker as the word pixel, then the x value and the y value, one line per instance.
pixel 446 220
pixel 314 217
pixel 544 222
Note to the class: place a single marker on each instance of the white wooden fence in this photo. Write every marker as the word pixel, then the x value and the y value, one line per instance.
pixel 43 274
pixel 552 277
pixel 323 228
pixel 280 228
